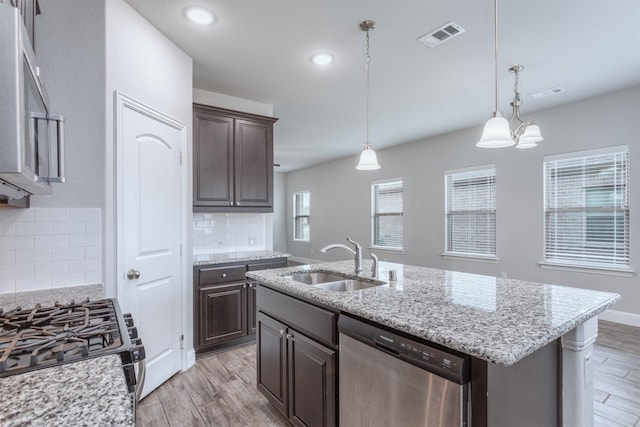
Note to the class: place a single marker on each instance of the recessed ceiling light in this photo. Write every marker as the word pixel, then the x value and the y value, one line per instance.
pixel 322 58
pixel 199 15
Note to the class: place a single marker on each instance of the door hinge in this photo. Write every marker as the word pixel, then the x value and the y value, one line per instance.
pixel 181 342
pixel 180 158
pixel 180 249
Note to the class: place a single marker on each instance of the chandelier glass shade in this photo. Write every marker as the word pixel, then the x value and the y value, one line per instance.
pixel 497 131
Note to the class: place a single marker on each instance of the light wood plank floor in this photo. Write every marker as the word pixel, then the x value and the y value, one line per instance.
pixel 220 390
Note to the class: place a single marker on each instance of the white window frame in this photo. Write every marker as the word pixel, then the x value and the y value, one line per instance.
pixel 374 214
pixel 554 260
pixel 297 215
pixel 473 256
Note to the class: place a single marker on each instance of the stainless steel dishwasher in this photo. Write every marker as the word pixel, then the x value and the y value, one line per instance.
pixel 389 380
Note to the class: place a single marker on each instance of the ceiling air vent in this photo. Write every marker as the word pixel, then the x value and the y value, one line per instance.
pixel 442 34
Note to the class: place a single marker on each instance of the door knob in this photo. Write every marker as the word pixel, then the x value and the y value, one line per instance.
pixel 133 274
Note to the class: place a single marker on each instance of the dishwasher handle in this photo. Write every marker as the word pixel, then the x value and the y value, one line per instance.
pixel 386 348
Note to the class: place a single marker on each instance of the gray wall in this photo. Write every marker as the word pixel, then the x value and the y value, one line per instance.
pixel 70 46
pixel 340 195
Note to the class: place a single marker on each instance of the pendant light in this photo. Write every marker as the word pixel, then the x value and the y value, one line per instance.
pixel 497 131
pixel 368 158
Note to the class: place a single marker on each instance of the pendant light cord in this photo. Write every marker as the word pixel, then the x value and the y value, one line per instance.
pixel 495 43
pixel 367 62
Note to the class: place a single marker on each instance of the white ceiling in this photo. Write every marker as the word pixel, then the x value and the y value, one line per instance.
pixel 260 50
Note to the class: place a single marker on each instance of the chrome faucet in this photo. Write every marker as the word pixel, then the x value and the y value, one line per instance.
pixel 374 265
pixel 357 253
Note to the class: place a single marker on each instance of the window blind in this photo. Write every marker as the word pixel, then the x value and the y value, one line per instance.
pixel 587 209
pixel 470 211
pixel 387 214
pixel 301 211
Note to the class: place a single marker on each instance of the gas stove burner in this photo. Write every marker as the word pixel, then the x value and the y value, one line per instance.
pixel 46 336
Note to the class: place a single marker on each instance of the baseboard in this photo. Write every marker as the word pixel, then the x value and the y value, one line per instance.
pixel 623 317
pixel 304 260
pixel 190 360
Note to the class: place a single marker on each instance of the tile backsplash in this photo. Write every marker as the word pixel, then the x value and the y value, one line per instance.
pixel 231 232
pixel 43 248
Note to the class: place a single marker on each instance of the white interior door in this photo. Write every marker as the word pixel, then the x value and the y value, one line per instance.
pixel 149 233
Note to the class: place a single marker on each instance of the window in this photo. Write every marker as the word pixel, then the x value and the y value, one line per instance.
pixel 587 208
pixel 386 209
pixel 301 209
pixel 470 212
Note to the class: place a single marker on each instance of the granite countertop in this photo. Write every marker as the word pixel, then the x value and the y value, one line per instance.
pixel 51 296
pixel 494 319
pixel 89 392
pixel 225 257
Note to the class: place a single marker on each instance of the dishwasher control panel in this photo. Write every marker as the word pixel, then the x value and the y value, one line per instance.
pixel 454 367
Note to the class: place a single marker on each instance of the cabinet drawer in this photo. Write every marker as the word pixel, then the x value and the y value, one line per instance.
pixel 307 318
pixel 208 276
pixel 275 263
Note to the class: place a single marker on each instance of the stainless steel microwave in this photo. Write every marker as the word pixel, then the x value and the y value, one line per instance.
pixel 31 139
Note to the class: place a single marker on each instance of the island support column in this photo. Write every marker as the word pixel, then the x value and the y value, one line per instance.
pixel 577 375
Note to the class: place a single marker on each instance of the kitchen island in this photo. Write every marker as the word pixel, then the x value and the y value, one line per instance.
pixel 529 342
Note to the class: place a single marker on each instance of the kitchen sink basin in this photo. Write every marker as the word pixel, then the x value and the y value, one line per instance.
pixel 349 285
pixel 316 277
pixel 334 282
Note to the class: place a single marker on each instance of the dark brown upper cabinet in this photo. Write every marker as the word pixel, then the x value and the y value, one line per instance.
pixel 232 161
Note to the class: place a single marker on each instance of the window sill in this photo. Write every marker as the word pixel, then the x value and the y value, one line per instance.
pixel 466 257
pixel 301 241
pixel 622 272
pixel 385 249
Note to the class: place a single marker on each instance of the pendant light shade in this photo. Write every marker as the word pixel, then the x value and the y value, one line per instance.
pixel 368 160
pixel 496 133
pixel 530 137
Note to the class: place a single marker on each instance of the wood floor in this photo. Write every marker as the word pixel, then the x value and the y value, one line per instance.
pixel 616 363
pixel 220 390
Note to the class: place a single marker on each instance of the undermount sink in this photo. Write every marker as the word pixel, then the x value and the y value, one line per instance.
pixel 334 282
pixel 316 277
pixel 349 285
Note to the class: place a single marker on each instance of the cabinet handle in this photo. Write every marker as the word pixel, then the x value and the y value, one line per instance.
pixel 281 332
pixel 250 285
pixel 230 203
pixel 224 275
pixel 289 336
pixel 237 203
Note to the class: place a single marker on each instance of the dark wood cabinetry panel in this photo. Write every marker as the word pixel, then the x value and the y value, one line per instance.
pixel 297 373
pixel 223 315
pixel 272 361
pixel 233 161
pixel 252 309
pixel 312 382
pixel 225 303
pixel 212 159
pixel 254 164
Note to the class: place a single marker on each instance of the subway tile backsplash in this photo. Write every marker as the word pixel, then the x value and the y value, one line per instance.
pixel 231 232
pixel 43 248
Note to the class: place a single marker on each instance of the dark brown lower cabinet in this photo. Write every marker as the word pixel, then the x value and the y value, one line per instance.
pixel 296 373
pixel 223 310
pixel 225 303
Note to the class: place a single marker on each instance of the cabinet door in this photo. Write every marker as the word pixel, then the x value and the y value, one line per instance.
pixel 271 361
pixel 253 164
pixel 212 159
pixel 312 387
pixel 252 309
pixel 223 314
